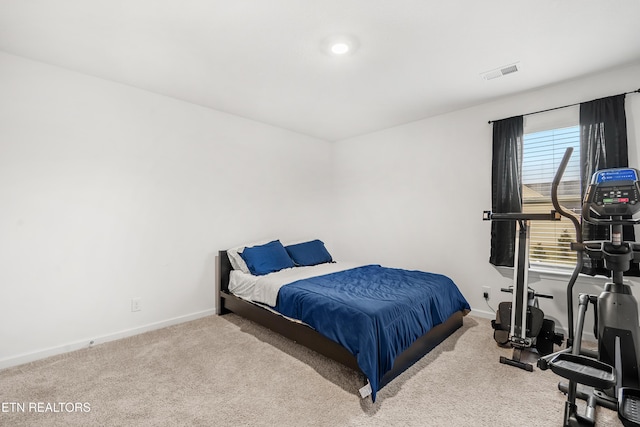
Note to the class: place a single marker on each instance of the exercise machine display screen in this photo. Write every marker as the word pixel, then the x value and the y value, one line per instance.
pixel 614 192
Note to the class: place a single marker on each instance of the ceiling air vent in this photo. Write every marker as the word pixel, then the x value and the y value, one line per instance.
pixel 499 72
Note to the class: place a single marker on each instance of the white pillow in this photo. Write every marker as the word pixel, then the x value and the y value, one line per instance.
pixel 236 261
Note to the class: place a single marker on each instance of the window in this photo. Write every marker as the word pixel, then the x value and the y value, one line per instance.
pixel 542 152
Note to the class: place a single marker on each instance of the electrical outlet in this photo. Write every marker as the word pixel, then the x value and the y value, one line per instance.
pixel 136 304
pixel 486 292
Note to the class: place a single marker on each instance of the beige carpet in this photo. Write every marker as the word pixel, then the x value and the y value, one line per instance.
pixel 226 371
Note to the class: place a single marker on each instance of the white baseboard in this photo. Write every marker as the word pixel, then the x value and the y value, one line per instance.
pixel 482 313
pixel 88 342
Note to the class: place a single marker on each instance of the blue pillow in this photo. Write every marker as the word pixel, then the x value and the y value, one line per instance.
pixel 309 253
pixel 267 258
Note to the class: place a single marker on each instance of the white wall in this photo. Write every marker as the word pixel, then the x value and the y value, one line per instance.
pixel 109 193
pixel 412 196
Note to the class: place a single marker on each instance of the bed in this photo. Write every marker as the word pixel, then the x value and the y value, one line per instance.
pixel 373 319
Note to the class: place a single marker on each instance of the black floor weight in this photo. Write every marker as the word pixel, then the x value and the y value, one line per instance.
pixel 548 337
pixel 502 324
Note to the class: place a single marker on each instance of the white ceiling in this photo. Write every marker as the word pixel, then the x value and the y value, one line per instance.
pixel 263 59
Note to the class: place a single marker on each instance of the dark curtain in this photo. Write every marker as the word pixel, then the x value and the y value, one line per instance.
pixel 603 145
pixel 506 187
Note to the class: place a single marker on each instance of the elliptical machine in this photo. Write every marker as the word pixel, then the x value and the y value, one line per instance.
pixel 608 377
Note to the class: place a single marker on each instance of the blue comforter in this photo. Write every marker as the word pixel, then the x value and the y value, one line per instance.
pixel 374 312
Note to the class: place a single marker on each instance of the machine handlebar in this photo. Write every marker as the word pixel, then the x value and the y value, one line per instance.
pixel 516 216
pixel 531 291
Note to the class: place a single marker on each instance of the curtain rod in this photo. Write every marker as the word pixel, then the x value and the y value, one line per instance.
pixel 564 106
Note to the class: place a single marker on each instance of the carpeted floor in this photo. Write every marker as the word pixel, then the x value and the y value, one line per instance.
pixel 226 371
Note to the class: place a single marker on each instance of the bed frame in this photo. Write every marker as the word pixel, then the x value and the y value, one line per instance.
pixel 308 337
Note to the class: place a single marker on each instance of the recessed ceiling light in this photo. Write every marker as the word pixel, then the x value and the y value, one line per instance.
pixel 340 48
pixel 340 45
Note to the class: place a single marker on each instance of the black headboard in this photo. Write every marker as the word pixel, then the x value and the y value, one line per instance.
pixel 223 270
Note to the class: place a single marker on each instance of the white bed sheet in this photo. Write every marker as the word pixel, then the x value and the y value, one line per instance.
pixel 264 289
